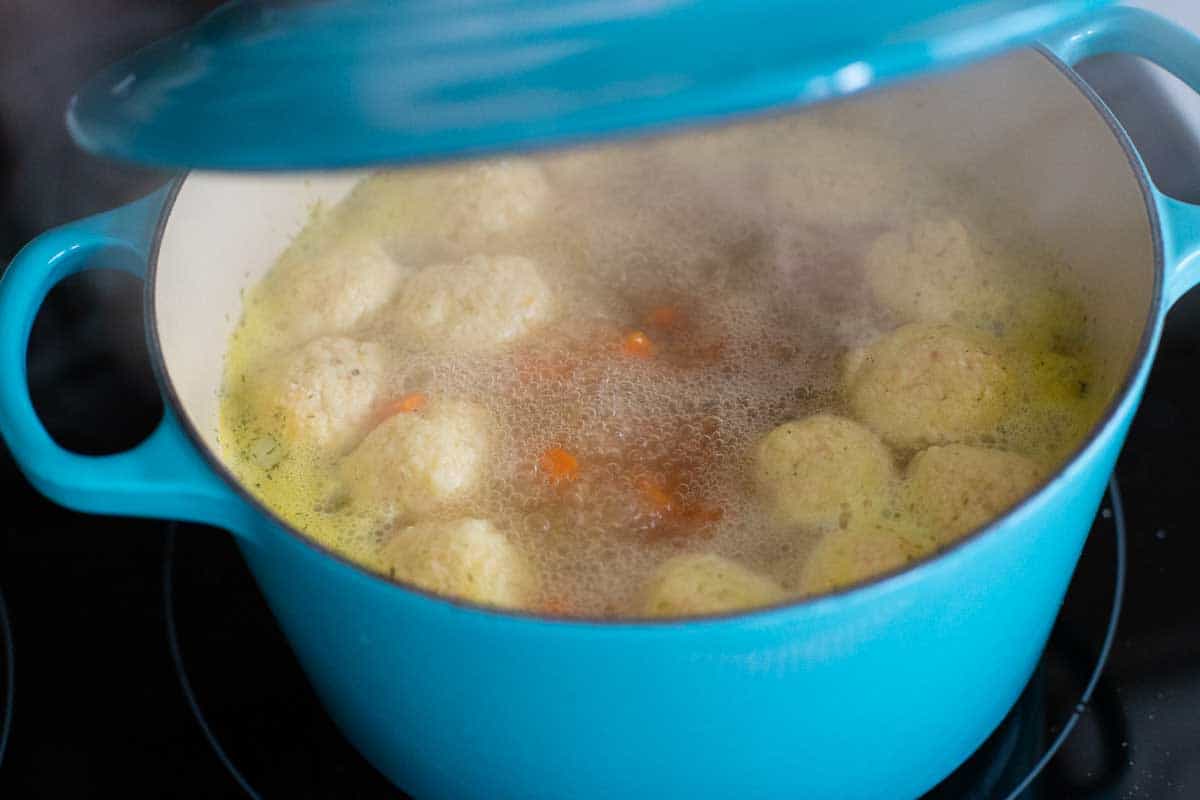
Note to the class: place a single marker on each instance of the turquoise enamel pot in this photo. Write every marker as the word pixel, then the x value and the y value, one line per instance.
pixel 875 692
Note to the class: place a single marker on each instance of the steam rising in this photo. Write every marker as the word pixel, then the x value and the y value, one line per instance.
pixel 755 236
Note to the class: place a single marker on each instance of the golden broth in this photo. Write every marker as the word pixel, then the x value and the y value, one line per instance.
pixel 695 293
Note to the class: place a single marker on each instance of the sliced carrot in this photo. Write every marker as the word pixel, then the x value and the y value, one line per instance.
pixel 637 344
pixel 408 404
pixel 558 465
pixel 655 494
pixel 675 518
pixel 664 317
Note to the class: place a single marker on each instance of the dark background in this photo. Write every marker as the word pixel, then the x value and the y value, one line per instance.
pixel 97 707
pixel 96 710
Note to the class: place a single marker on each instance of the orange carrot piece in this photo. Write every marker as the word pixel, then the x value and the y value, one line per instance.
pixel 559 465
pixel 408 404
pixel 664 317
pixel 655 494
pixel 637 344
pixel 676 517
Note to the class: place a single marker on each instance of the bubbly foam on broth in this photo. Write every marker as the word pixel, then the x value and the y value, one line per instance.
pixel 745 311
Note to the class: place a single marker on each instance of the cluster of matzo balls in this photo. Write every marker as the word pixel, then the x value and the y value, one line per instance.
pixel 922 454
pixel 912 462
pixel 436 284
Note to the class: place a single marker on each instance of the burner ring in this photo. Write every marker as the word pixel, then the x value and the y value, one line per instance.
pixel 177 658
pixel 1110 634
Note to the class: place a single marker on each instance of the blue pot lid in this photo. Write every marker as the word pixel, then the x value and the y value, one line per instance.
pixel 290 85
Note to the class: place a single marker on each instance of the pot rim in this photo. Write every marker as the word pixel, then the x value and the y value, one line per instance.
pixel 910 571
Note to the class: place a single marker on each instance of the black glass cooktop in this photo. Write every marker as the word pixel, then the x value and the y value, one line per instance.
pixel 137 658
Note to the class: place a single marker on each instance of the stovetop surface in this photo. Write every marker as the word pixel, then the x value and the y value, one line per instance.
pixel 144 662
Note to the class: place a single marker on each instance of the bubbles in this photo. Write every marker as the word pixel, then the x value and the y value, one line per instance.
pixel 746 313
pixel 681 423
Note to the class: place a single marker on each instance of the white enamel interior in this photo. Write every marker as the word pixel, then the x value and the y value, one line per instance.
pixel 223 234
pixel 1030 144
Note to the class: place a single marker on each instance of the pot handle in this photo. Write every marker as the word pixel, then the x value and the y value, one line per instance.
pixel 163 476
pixel 1141 33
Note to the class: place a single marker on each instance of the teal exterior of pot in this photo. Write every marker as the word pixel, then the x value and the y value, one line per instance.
pixel 875 692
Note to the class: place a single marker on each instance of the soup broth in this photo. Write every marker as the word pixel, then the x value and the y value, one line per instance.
pixel 669 377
